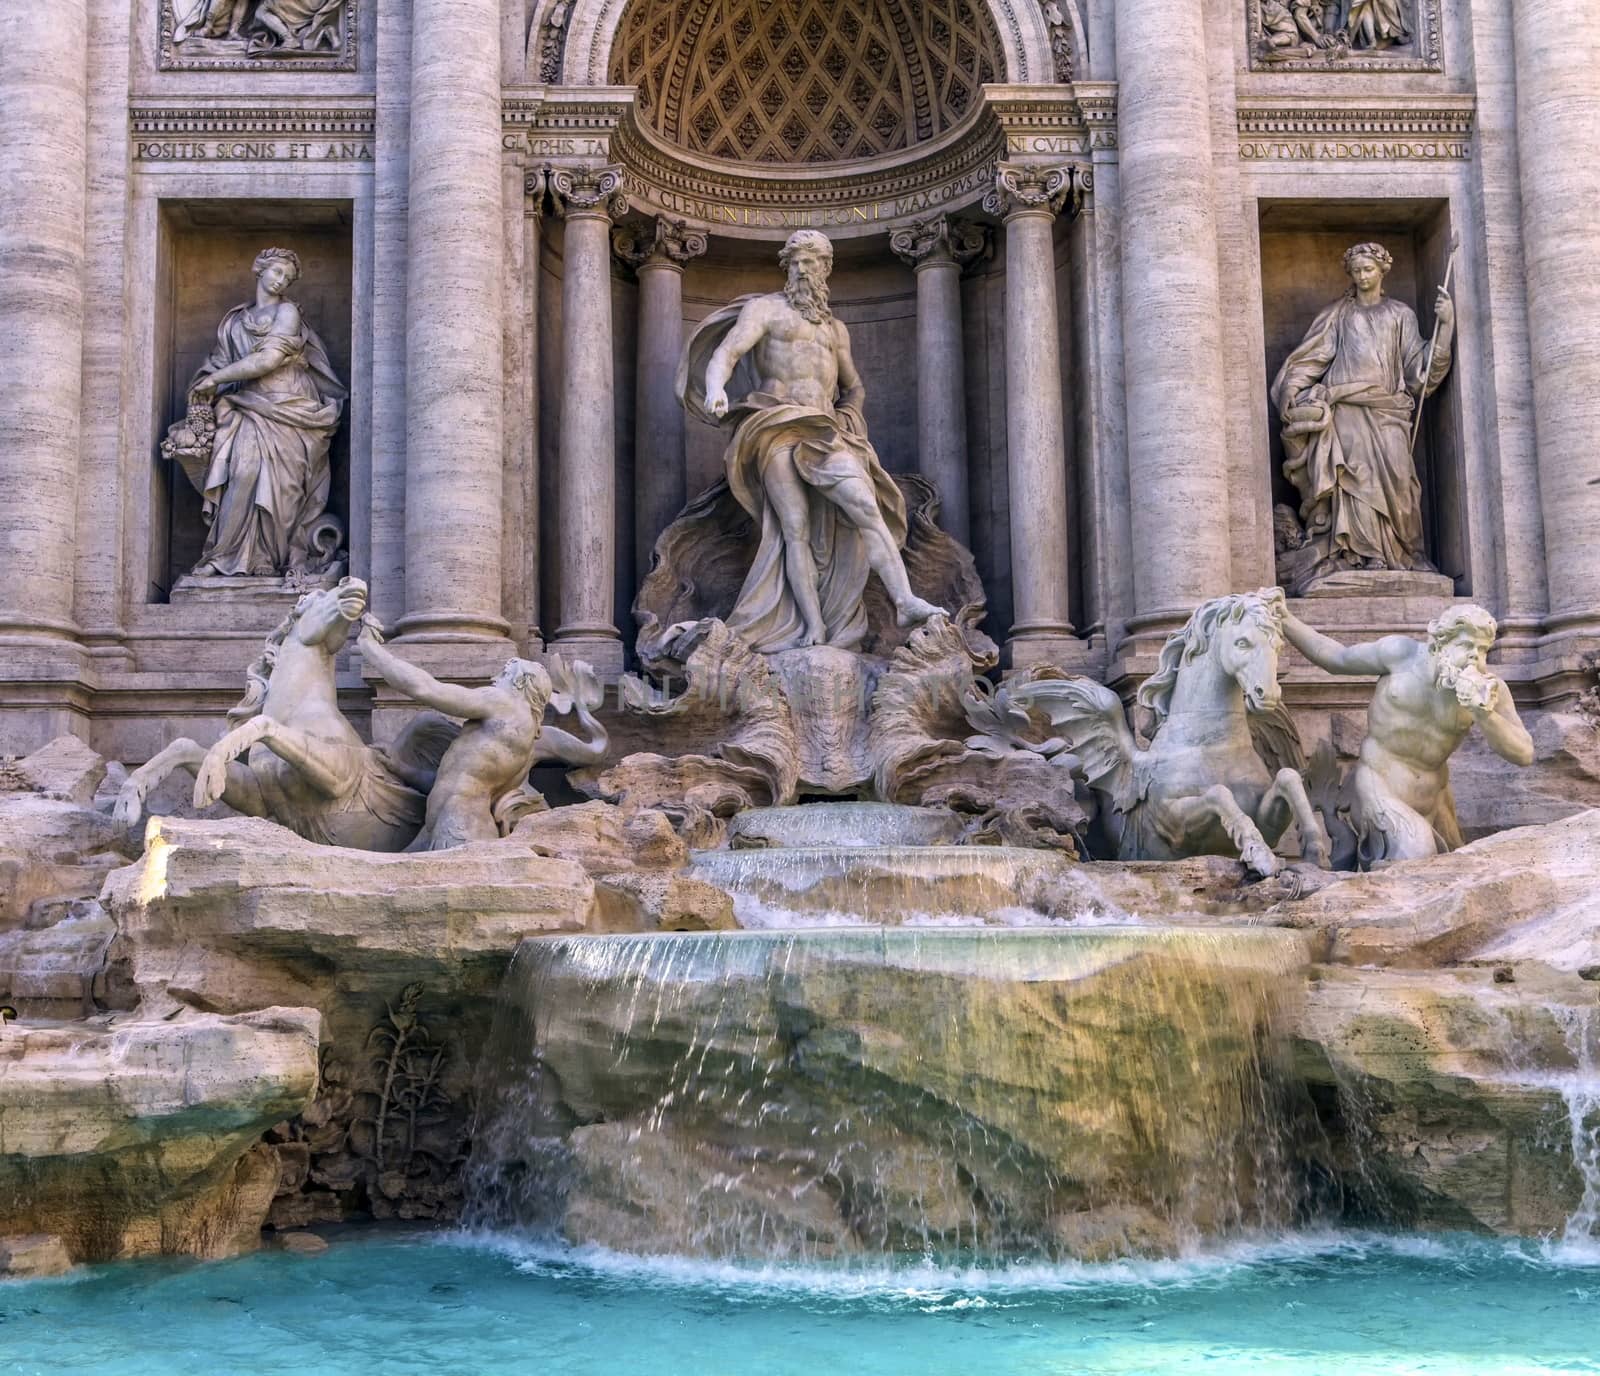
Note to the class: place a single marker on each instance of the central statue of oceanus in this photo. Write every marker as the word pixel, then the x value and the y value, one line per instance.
pixel 1224 771
pixel 799 462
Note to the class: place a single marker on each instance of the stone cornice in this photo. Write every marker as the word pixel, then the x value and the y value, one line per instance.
pixel 588 125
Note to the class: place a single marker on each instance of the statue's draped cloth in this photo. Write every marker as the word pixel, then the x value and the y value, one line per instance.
pixel 1346 396
pixel 269 476
pixel 826 449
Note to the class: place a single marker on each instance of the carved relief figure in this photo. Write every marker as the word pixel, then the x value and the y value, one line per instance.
pixel 1396 802
pixel 277 404
pixel 262 27
pixel 481 788
pixel 1223 772
pixel 799 461
pixel 1376 23
pixel 1345 396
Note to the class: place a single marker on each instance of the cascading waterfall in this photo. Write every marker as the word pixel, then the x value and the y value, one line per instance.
pixel 835 1092
pixel 801 886
pixel 1580 1091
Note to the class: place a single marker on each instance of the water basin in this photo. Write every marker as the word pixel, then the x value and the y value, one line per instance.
pixel 1327 1305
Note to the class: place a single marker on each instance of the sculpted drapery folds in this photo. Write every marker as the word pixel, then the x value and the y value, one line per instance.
pixel 799 461
pixel 277 404
pixel 1345 397
pixel 283 25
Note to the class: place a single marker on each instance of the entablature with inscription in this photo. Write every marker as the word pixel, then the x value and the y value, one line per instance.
pixel 319 130
pixel 1402 128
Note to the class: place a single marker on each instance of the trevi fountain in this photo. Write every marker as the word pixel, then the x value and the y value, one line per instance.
pixel 883 686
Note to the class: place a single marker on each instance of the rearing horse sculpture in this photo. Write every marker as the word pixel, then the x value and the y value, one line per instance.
pixel 1223 771
pixel 304 766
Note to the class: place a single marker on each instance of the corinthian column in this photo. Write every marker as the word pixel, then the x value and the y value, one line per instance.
pixel 454 344
pixel 1558 146
pixel 44 112
pixel 1028 199
pixel 1171 314
pixel 657 254
pixel 937 250
pixel 589 199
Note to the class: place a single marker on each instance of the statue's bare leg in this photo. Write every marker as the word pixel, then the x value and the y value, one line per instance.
pixel 239 791
pixel 855 498
pixel 1216 807
pixel 322 766
pixel 1286 801
pixel 788 494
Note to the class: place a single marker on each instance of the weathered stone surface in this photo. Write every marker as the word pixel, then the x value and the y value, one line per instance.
pixel 402 954
pixel 63 970
pixel 635 902
pixel 890 1091
pixel 65 769
pixel 1447 1095
pixel 1528 894
pixel 603 838
pixel 239 914
pixel 51 849
pixel 1564 778
pixel 33 1255
pixel 134 1137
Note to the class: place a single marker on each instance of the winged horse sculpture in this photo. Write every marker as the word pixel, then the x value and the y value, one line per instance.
pixel 1223 772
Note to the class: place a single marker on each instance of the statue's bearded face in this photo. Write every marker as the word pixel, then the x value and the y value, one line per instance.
pixel 1462 653
pixel 807 287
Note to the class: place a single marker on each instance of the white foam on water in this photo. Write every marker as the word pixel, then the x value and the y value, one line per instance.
pixel 957 1285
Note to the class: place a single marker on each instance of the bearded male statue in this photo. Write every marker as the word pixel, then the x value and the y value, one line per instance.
pixel 799 461
pixel 1396 803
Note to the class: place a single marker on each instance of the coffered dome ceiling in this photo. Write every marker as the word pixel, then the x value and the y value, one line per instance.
pixel 804 81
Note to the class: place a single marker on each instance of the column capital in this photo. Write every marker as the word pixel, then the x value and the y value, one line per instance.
pixel 939 240
pixel 587 191
pixel 666 243
pixel 1024 189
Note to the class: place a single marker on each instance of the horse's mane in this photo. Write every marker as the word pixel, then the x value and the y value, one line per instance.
pixel 1265 607
pixel 259 674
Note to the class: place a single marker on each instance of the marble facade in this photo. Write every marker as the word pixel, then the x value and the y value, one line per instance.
pixel 1074 241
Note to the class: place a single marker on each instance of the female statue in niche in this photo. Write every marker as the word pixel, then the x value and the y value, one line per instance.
pixel 1346 396
pixel 277 405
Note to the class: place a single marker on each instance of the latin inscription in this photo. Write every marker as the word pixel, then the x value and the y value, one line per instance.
pixel 1356 150
pixel 251 150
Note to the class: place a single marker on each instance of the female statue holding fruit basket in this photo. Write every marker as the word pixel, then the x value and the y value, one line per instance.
pixel 272 396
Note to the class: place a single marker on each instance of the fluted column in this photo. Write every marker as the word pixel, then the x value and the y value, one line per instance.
pixel 937 250
pixel 1028 199
pixel 1558 145
pixel 657 253
pixel 454 342
pixel 44 113
pixel 1171 312
pixel 589 199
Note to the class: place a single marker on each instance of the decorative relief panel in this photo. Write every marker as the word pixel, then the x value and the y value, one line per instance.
pixel 804 81
pixel 1344 35
pixel 304 35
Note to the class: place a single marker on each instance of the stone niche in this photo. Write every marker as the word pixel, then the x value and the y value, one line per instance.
pixel 1302 248
pixel 207 248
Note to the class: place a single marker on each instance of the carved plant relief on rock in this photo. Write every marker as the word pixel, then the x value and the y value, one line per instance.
pixel 247 33
pixel 1352 35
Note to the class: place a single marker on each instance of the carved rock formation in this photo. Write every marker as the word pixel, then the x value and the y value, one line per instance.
pixel 135 1137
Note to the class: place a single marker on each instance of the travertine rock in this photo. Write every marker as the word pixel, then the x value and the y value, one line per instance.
pixel 603 838
pixel 53 850
pixel 65 769
pixel 1443 1094
pixel 134 1137
pixel 1528 894
pixel 32 1255
pixel 239 914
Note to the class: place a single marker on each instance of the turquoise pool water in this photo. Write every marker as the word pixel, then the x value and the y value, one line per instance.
pixel 393 1305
